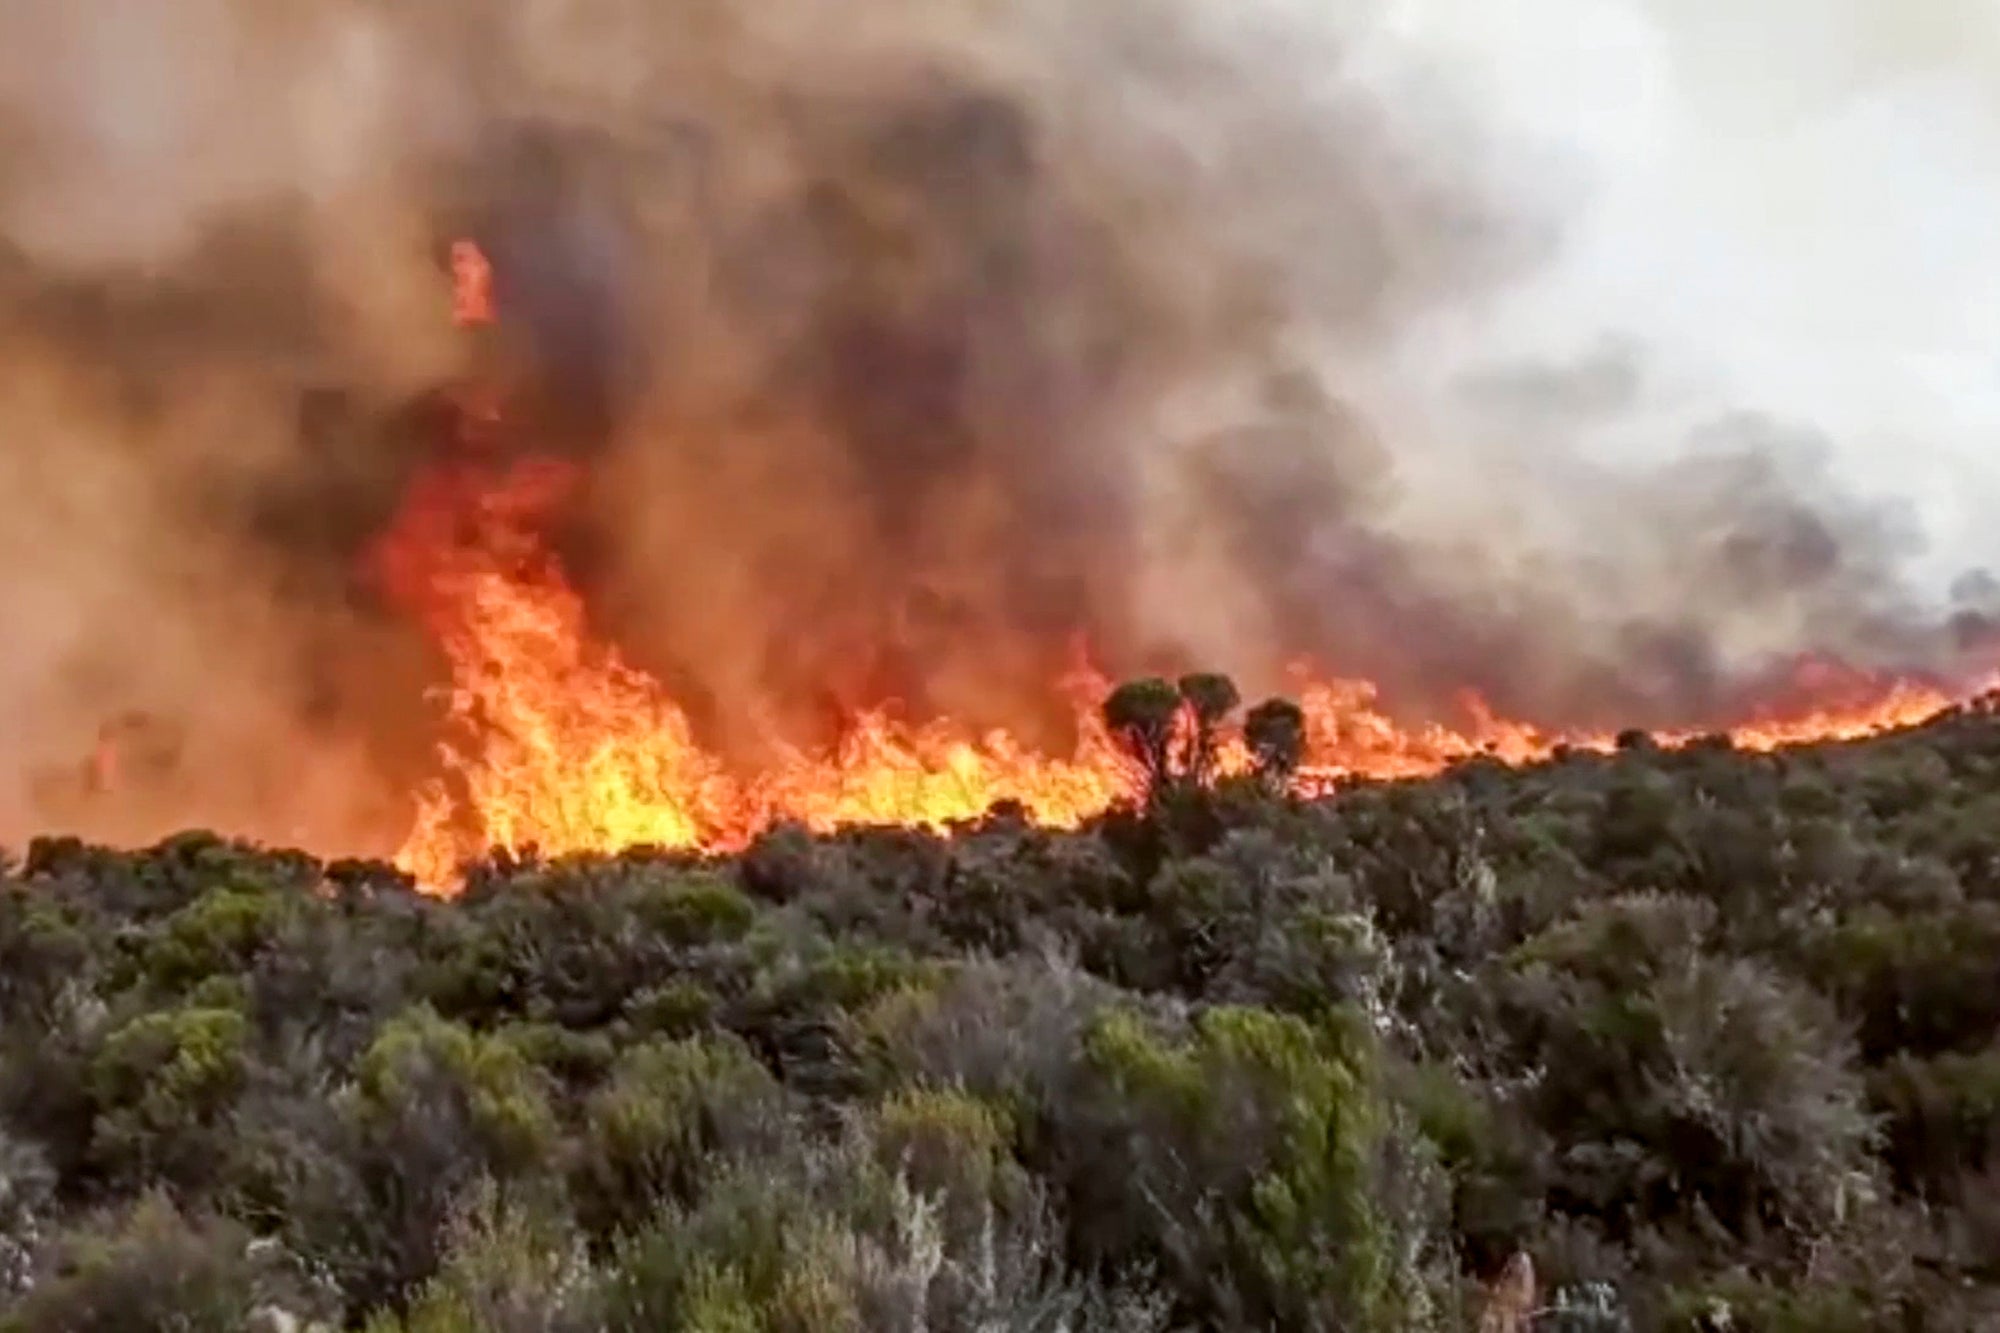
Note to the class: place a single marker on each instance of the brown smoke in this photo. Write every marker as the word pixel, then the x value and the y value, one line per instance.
pixel 906 342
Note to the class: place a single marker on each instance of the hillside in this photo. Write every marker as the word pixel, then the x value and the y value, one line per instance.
pixel 1711 1037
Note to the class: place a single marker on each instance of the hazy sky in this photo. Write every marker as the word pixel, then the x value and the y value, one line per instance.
pixel 1786 206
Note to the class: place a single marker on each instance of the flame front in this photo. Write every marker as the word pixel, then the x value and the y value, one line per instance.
pixel 565 747
pixel 568 748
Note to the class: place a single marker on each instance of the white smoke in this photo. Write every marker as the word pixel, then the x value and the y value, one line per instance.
pixel 1777 207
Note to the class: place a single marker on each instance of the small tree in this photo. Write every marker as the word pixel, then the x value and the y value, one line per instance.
pixel 1210 698
pixel 1175 730
pixel 1275 731
pixel 1142 714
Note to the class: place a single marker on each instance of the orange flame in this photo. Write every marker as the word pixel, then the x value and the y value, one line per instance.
pixel 568 748
pixel 471 285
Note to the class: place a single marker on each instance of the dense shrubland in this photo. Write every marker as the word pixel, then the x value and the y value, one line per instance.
pixel 1711 1038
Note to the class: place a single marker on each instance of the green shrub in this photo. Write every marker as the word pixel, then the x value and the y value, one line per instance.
pixel 44 948
pixel 680 1008
pixel 216 934
pixel 1924 983
pixel 148 1267
pixel 695 909
pixel 1942 1119
pixel 512 1267
pixel 1742 1305
pixel 954 1150
pixel 367 1182
pixel 1008 1032
pixel 569 1058
pixel 1267 1129
pixel 668 1116
pixel 27 1197
pixel 1230 1059
pixel 164 1085
pixel 1677 1085
pixel 718 1266
pixel 501 1096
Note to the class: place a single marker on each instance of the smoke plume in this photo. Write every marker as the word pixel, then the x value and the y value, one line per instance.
pixel 1604 358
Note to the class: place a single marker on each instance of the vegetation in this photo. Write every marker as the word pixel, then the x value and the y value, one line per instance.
pixel 1657 1040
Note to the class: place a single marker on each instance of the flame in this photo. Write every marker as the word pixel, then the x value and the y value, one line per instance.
pixel 471 285
pixel 563 746
pixel 568 748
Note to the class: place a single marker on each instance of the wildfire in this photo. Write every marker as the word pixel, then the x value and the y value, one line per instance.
pixel 571 749
pixel 565 747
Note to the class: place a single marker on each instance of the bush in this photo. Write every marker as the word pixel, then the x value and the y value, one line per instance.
pixel 1696 1030
pixel 1254 922
pixel 511 1267
pixel 671 1113
pixel 423 1065
pixel 368 1180
pixel 43 950
pixel 148 1267
pixel 1942 1119
pixel 27 1193
pixel 1006 1032
pixel 163 1086
pixel 955 1151
pixel 218 933
pixel 1243 1161
pixel 1678 1088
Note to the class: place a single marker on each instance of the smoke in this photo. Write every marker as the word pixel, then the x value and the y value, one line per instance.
pixel 1759 359
pixel 1602 357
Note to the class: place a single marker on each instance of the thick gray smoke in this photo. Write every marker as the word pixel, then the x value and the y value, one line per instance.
pixel 1602 357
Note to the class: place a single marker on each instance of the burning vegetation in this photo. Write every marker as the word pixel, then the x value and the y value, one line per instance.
pixel 824 443
pixel 559 745
pixel 946 666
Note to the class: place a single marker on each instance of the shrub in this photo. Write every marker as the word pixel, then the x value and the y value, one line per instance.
pixel 367 1181
pixel 954 1150
pixel 1242 1160
pixel 163 1086
pixel 1007 1032
pixel 1942 1119
pixel 44 949
pixel 1923 983
pixel 1253 921
pixel 216 934
pixel 1230 1058
pixel 692 909
pixel 1760 1307
pixel 512 1267
pixel 680 1008
pixel 671 1113
pixel 423 1065
pixel 1676 1085
pixel 27 1193
pixel 147 1267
